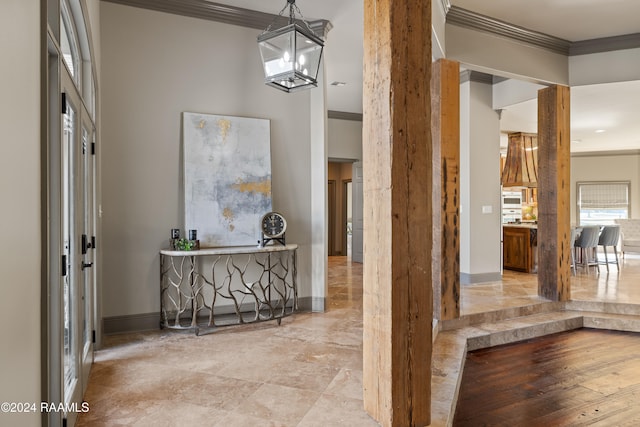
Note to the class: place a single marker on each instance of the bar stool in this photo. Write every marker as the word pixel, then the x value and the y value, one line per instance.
pixel 574 232
pixel 587 242
pixel 609 237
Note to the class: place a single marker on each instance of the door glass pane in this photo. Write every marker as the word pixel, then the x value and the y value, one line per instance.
pixel 85 251
pixel 87 207
pixel 68 43
pixel 68 233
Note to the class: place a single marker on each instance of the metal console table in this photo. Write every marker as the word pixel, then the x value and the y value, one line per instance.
pixel 214 287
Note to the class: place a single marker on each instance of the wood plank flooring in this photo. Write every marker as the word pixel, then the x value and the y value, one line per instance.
pixel 585 377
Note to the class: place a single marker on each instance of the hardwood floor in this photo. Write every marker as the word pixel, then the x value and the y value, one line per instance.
pixel 576 378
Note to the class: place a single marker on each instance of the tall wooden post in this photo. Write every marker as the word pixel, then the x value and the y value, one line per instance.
pixel 398 187
pixel 554 184
pixel 445 130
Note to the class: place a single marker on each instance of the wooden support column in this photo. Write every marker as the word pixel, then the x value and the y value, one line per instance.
pixel 554 182
pixel 445 131
pixel 397 163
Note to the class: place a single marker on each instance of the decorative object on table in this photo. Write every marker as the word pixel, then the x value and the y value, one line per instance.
pixel 291 54
pixel 273 226
pixel 175 236
pixel 193 236
pixel 182 244
pixel 187 245
pixel 227 177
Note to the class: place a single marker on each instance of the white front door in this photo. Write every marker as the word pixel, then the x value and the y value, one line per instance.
pixel 77 222
pixel 87 241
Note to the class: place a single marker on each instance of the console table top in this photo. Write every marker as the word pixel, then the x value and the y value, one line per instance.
pixel 231 250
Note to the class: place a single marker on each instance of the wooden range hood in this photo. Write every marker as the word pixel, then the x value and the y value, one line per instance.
pixel 521 164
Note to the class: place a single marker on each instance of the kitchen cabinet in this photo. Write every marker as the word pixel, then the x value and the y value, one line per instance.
pixel 519 248
pixel 530 196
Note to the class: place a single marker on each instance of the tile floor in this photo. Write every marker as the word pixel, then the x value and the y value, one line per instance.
pixel 305 372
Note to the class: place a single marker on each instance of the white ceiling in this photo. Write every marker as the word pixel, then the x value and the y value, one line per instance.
pixel 572 20
pixel 612 107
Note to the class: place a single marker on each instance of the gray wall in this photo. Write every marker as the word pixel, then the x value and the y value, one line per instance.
pixel 479 184
pixel 154 67
pixel 21 257
pixel 345 139
pixel 611 167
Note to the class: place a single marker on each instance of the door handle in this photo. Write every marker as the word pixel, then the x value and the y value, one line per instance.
pixel 85 265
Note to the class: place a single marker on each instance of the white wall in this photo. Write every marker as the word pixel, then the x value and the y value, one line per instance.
pixel 155 66
pixel 513 91
pixel 479 184
pixel 465 176
pixel 606 67
pixel 438 21
pixel 606 168
pixel 345 139
pixel 318 172
pixel 20 255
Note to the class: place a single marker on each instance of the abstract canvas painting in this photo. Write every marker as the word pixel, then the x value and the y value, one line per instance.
pixel 227 177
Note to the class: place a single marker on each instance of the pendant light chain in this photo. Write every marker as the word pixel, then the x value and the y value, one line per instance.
pixel 292 17
pixel 274 20
pixel 303 19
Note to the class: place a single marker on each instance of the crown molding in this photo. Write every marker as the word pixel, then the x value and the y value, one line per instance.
pixel 475 21
pixel 221 13
pixel 632 152
pixel 605 44
pixel 446 5
pixel 467 19
pixel 233 15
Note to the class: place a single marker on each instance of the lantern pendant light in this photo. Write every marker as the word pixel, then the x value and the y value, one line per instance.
pixel 291 54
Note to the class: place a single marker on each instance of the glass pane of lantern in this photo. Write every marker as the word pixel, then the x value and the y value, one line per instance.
pixel 277 54
pixel 308 53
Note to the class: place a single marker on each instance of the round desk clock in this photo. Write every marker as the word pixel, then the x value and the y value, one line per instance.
pixel 273 226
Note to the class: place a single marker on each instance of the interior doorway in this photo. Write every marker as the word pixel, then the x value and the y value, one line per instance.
pixel 338 207
pixel 331 213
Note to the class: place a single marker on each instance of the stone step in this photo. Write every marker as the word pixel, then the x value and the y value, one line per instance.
pixel 500 314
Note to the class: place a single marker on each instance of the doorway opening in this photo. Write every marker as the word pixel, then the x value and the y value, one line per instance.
pixel 342 209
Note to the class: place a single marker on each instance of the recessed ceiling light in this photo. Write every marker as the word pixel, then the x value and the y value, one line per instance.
pixel 576 141
pixel 339 84
pixel 600 130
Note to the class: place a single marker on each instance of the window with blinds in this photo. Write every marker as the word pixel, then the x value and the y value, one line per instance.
pixel 599 203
